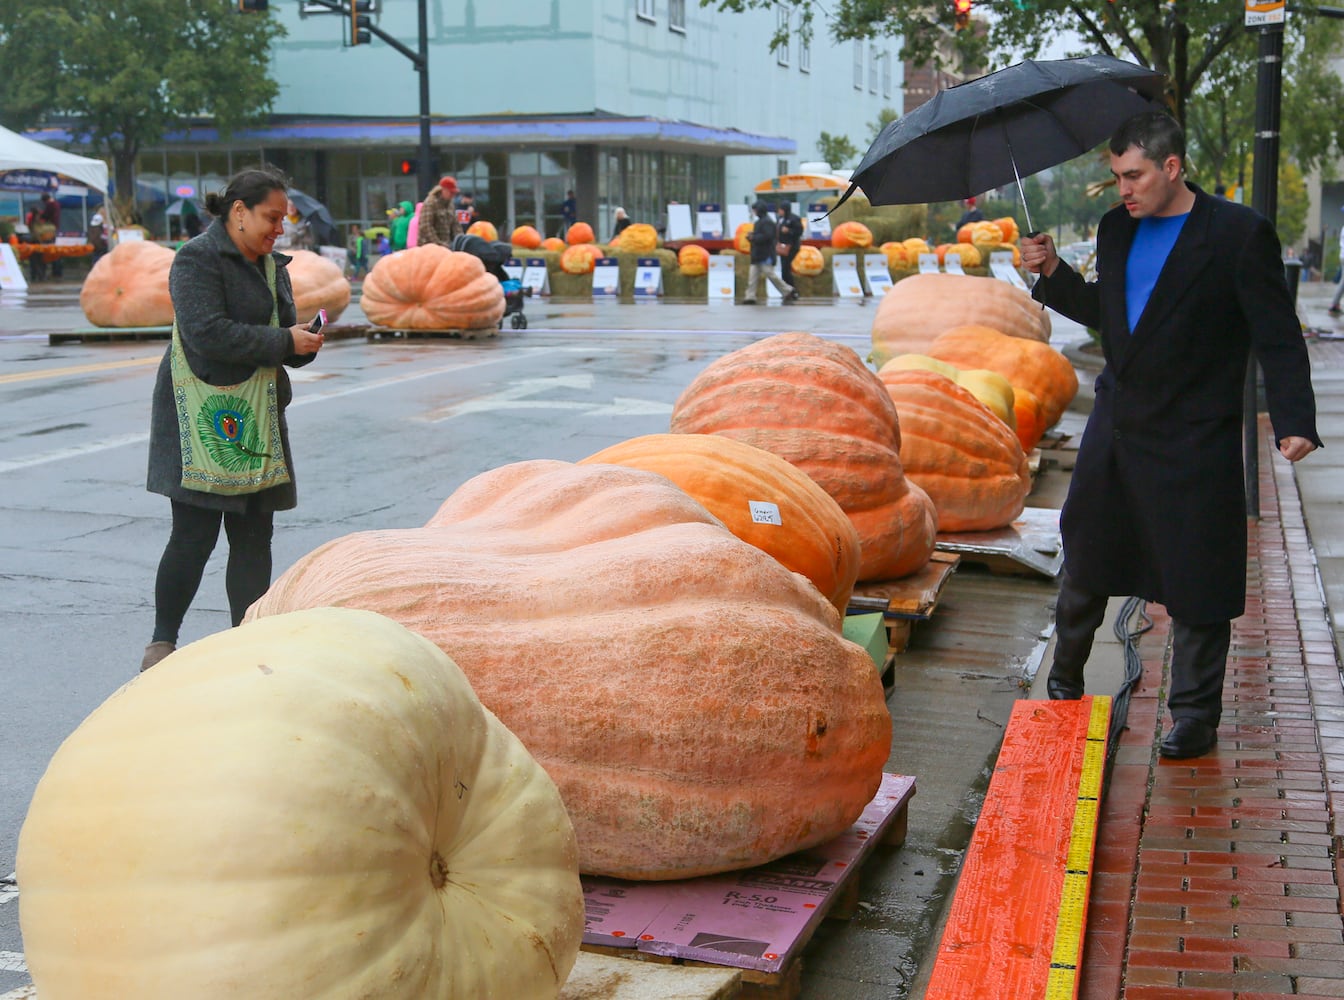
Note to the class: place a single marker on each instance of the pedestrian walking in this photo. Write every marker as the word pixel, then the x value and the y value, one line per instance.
pixel 1339 291
pixel 762 240
pixel 790 236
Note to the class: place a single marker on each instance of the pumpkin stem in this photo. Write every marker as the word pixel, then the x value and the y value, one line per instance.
pixel 438 870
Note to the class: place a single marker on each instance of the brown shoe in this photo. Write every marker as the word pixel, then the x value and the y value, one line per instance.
pixel 155 652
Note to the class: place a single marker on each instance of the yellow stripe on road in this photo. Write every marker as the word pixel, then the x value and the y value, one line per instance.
pixel 102 366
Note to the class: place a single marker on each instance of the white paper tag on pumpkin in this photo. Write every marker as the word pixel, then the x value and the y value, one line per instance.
pixel 764 512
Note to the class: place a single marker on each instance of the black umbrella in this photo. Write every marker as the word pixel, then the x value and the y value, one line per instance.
pixel 984 133
pixel 318 217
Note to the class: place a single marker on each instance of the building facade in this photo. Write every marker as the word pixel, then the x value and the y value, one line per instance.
pixel 632 103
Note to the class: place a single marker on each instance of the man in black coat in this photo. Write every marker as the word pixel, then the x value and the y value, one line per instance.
pixel 1187 286
pixel 762 240
pixel 790 236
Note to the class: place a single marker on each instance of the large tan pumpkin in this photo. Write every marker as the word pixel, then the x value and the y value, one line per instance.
pixel 128 287
pixel 1037 367
pixel 311 805
pixel 319 283
pixel 638 237
pixel 969 461
pixel 692 698
pixel 761 498
pixel 430 287
pixel 815 404
pixel 693 260
pixel 918 308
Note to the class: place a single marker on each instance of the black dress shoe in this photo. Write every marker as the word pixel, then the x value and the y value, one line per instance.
pixel 1064 683
pixel 1189 738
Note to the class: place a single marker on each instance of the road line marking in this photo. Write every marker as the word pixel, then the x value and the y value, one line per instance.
pixel 12 961
pixel 101 366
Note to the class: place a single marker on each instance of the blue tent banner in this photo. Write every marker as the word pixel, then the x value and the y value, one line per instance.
pixel 31 181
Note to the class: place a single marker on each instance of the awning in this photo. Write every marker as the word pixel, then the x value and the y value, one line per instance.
pixel 20 153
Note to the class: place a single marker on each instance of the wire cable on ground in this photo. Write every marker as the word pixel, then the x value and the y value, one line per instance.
pixel 1128 633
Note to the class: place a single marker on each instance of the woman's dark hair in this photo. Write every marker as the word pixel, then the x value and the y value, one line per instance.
pixel 251 186
pixel 1154 132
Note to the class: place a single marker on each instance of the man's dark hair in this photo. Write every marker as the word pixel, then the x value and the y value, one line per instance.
pixel 1154 132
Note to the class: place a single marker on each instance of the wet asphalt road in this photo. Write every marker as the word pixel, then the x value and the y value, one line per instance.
pixel 382 431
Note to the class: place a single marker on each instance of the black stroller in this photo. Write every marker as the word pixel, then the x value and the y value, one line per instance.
pixel 493 254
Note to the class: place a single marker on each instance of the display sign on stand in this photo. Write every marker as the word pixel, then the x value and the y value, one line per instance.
pixel 513 267
pixel 877 274
pixel 679 222
pixel 1001 266
pixel 648 279
pixel 11 274
pixel 721 278
pixel 737 214
pixel 709 221
pixel 952 264
pixel 928 263
pixel 818 223
pixel 606 278
pixel 130 235
pixel 535 276
pixel 845 267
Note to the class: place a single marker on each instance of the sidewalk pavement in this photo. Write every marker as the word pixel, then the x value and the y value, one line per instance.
pixel 1216 878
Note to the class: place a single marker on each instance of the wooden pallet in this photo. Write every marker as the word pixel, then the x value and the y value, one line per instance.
pixel 474 333
pixel 758 921
pixel 107 335
pixel 906 602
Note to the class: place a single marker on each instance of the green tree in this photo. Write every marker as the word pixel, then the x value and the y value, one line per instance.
pixel 121 74
pixel 836 150
pixel 884 118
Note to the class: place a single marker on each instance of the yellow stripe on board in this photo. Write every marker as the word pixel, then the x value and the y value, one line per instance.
pixel 101 366
pixel 1071 923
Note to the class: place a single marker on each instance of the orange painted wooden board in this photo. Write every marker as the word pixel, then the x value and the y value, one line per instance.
pixel 1015 925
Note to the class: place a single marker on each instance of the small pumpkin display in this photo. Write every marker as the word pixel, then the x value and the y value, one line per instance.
pixel 983 232
pixel 815 404
pixel 485 230
pixel 809 261
pixel 526 237
pixel 898 256
pixel 759 497
pixel 1008 229
pixel 851 236
pixel 741 237
pixel 682 738
pixel 967 460
pixel 967 252
pixel 554 244
pixel 313 804
pixel 580 258
pixel 693 260
pixel 429 287
pixel 1035 366
pixel 318 283
pixel 129 286
pixel 638 237
pixel 918 308
pixel 579 232
pixel 915 246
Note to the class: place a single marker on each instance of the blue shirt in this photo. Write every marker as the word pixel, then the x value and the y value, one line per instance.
pixel 1152 244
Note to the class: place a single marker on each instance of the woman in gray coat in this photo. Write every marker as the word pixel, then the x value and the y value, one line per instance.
pixel 223 305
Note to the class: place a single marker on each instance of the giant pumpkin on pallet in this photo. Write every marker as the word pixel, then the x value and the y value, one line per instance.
pixel 967 459
pixel 311 805
pixel 430 287
pixel 638 237
pixel 692 698
pixel 318 283
pixel 761 498
pixel 128 287
pixel 1037 367
pixel 815 404
pixel 918 308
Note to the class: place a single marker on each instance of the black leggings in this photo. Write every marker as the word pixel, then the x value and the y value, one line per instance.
pixel 195 531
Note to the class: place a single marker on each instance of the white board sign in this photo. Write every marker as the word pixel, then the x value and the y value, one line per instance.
pixel 737 214
pixel 928 263
pixel 606 277
pixel 11 274
pixel 952 264
pixel 679 222
pixel 764 512
pixel 709 222
pixel 535 276
pixel 513 267
pixel 845 267
pixel 722 278
pixel 128 235
pixel 648 278
pixel 877 274
pixel 818 223
pixel 1001 266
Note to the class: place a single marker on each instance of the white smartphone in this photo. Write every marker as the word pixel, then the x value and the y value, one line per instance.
pixel 318 322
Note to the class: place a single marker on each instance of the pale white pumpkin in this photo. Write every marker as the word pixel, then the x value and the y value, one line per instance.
pixel 313 805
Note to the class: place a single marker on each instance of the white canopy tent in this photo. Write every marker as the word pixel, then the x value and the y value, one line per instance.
pixel 20 153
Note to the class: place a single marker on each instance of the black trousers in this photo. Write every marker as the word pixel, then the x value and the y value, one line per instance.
pixel 786 267
pixel 195 531
pixel 1198 655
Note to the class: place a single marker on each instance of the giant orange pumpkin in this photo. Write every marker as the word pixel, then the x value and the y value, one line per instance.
pixel 814 403
pixel 760 497
pixel 318 283
pixel 851 236
pixel 638 237
pixel 430 287
pixel 580 258
pixel 968 253
pixel 922 306
pixel 129 286
pixel 554 243
pixel 526 237
pixel 693 699
pixel 809 261
pixel 968 460
pixel 1037 367
pixel 1029 416
pixel 1008 229
pixel 693 260
pixel 741 237
pixel 579 232
pixel 485 230
pixel 898 256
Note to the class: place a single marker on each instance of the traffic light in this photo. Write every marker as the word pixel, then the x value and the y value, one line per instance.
pixel 408 167
pixel 253 6
pixel 359 21
pixel 961 10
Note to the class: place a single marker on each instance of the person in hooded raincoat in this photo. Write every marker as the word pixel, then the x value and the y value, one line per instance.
pixel 401 225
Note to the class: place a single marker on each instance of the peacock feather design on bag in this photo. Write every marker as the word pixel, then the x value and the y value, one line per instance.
pixel 228 429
